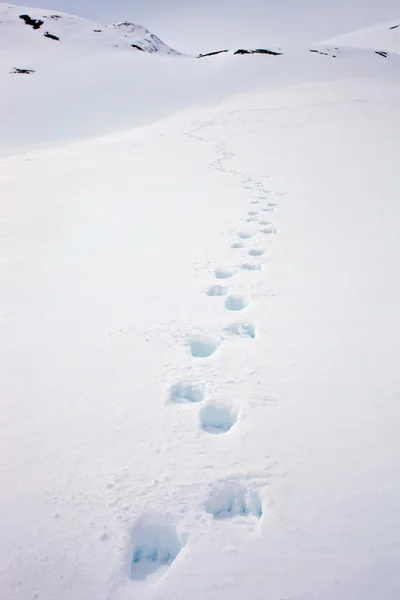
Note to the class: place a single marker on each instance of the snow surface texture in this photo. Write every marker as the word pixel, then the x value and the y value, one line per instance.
pixel 200 340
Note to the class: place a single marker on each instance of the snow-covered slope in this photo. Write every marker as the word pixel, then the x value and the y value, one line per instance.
pixel 199 345
pixel 39 29
pixel 82 86
pixel 384 37
pixel 199 324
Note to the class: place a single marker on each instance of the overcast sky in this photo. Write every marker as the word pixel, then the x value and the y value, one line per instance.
pixel 204 25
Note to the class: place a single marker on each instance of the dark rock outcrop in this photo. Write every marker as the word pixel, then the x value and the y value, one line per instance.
pixel 51 36
pixel 212 53
pixel 258 51
pixel 22 71
pixel 35 23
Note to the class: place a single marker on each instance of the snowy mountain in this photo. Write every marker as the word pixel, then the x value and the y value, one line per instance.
pixel 199 323
pixel 143 39
pixel 121 87
pixel 37 28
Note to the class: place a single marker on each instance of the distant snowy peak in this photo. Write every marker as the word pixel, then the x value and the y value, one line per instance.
pixel 143 39
pixel 385 37
pixel 34 28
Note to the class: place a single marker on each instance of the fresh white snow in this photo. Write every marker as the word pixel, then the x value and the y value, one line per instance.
pixel 200 331
pixel 380 37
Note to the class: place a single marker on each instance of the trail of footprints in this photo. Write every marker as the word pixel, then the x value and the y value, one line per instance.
pixel 156 543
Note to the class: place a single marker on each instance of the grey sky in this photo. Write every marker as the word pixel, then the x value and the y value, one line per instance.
pixel 204 25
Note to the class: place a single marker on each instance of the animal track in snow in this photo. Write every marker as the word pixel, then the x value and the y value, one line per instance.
pixel 252 213
pixel 202 345
pixel 224 273
pixel 269 229
pixel 254 202
pixel 237 301
pixel 155 546
pixel 217 418
pixel 256 251
pixel 251 266
pixel 245 235
pixel 186 392
pixel 237 245
pixel 230 499
pixel 271 206
pixel 217 290
pixel 242 329
pixel 251 219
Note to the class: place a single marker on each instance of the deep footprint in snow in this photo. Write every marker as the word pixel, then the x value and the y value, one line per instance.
pixel 186 392
pixel 256 251
pixel 217 290
pixel 242 329
pixel 237 301
pixel 269 229
pixel 251 267
pixel 230 499
pixel 155 546
pixel 224 273
pixel 217 418
pixel 271 206
pixel 245 235
pixel 202 345
pixel 237 245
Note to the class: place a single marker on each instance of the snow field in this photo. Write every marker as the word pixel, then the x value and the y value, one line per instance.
pixel 200 341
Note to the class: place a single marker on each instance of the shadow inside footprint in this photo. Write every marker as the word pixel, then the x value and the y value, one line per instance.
pixel 237 301
pixel 217 290
pixel 155 545
pixel 231 499
pixel 224 273
pixel 269 229
pixel 217 418
pixel 252 267
pixel 242 330
pixel 202 345
pixel 184 392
